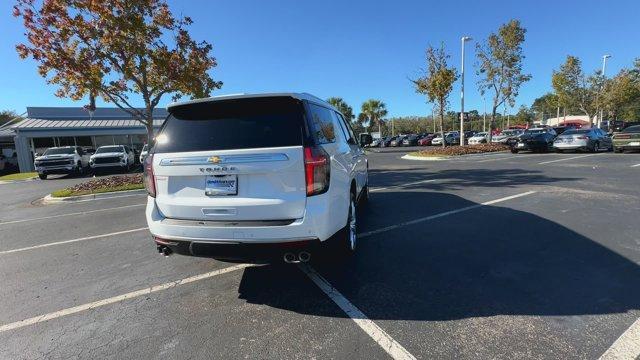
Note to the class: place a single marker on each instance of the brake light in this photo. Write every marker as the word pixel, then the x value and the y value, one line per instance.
pixel 149 178
pixel 317 170
pixel 582 137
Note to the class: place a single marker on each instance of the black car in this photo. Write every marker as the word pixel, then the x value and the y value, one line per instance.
pixel 411 140
pixel 536 139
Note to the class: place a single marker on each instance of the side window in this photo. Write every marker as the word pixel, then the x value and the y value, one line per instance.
pixel 322 125
pixel 343 130
pixel 346 123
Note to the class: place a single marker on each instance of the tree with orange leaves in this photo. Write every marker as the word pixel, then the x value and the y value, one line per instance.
pixel 115 49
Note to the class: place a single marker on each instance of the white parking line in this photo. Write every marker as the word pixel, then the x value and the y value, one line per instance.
pixel 402 185
pixel 70 214
pixel 565 159
pixel 392 347
pixel 636 165
pixel 115 299
pixel 443 214
pixel 627 346
pixel 72 241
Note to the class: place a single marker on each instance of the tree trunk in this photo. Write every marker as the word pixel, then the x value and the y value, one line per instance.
pixel 379 128
pixel 149 126
pixel 492 126
pixel 442 125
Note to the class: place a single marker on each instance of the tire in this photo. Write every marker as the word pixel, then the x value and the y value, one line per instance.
pixel 348 241
pixel 618 150
pixel 79 169
pixel 595 147
pixel 42 176
pixel 559 151
pixel 514 151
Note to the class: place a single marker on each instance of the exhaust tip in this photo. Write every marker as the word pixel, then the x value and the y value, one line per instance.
pixel 166 251
pixel 304 256
pixel 289 258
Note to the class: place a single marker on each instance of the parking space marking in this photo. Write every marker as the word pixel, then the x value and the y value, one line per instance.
pixel 636 165
pixel 564 159
pixel 402 185
pixel 119 298
pixel 392 347
pixel 627 346
pixel 443 214
pixel 72 241
pixel 70 214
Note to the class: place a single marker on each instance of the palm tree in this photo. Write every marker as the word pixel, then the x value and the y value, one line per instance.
pixel 343 107
pixel 374 110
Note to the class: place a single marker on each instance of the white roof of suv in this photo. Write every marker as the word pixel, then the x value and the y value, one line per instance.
pixel 299 96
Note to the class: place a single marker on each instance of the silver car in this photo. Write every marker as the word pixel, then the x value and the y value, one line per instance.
pixel 593 140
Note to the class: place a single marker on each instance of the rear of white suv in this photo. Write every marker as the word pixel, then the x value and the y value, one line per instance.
pixel 253 178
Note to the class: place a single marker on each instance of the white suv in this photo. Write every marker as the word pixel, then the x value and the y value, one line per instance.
pixel 254 178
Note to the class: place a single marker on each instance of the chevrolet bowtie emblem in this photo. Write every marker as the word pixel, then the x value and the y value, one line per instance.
pixel 214 159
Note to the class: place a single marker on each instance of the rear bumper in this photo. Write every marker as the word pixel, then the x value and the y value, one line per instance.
pixel 256 253
pixel 317 225
pixel 571 146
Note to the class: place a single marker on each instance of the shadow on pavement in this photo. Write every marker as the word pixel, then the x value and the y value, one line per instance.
pixel 457 179
pixel 484 262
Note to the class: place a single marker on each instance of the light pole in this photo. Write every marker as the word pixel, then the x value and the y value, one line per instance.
pixel 604 67
pixel 462 41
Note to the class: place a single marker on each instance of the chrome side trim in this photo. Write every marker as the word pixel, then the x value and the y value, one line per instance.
pixel 224 159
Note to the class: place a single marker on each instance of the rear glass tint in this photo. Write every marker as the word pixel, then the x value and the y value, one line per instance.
pixel 632 129
pixel 232 124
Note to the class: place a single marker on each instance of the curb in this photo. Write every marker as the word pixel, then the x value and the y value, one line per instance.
pixel 106 195
pixel 444 157
pixel 425 158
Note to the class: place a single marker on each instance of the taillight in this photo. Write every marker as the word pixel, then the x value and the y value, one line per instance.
pixel 148 176
pixel 317 170
pixel 582 137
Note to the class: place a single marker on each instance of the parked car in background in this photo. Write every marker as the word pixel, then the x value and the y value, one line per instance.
pixel 61 160
pixel 535 139
pixel 627 139
pixel 386 141
pixel 478 138
pixel 505 135
pixel 561 129
pixel 592 139
pixel 411 140
pixel 397 141
pixel 112 156
pixel 265 189
pixel 144 152
pixel 450 138
pixel 425 141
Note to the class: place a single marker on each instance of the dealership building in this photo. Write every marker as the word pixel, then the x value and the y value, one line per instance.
pixel 46 127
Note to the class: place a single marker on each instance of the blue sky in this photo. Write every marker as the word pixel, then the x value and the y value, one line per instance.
pixel 364 49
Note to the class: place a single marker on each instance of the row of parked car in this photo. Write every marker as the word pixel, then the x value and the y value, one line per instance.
pixel 543 138
pixel 77 160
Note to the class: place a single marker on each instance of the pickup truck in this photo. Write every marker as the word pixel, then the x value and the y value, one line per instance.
pixel 61 160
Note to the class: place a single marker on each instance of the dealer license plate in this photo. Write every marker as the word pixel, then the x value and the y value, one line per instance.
pixel 221 185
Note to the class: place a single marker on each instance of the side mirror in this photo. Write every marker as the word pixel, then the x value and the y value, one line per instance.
pixel 365 139
pixel 38 155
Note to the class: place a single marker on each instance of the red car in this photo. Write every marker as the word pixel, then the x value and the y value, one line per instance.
pixel 426 140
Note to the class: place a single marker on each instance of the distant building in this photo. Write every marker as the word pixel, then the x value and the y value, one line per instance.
pixel 46 127
pixel 581 120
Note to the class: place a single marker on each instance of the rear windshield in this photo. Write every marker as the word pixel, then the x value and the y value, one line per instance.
pixel 232 124
pixel 571 132
pixel 59 151
pixel 632 129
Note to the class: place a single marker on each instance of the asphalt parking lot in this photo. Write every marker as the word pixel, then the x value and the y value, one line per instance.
pixel 490 256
